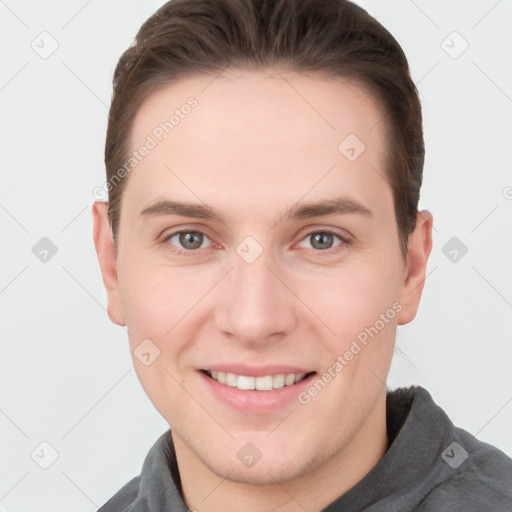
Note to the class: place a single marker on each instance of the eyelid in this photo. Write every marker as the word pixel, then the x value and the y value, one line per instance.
pixel 345 240
pixel 168 233
pixel 341 233
pixel 181 250
pixel 323 231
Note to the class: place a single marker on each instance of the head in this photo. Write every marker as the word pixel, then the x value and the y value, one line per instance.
pixel 270 226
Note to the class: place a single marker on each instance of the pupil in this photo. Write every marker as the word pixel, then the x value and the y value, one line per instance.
pixel 322 241
pixel 191 240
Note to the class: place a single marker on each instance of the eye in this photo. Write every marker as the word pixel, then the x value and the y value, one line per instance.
pixel 188 240
pixel 323 240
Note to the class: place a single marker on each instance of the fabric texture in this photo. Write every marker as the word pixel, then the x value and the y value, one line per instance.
pixel 430 466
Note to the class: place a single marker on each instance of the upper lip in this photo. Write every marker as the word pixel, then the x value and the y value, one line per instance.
pixel 257 371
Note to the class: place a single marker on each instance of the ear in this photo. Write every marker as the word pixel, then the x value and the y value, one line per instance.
pixel 418 251
pixel 104 243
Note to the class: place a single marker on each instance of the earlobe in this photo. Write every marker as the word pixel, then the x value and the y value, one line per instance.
pixel 418 251
pixel 104 245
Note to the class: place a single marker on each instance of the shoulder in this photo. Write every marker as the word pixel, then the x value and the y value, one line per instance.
pixel 124 499
pixel 479 479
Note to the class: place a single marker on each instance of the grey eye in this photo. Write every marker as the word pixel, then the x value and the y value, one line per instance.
pixel 322 240
pixel 189 240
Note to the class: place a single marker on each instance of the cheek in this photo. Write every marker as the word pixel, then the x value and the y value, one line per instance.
pixel 156 304
pixel 155 298
pixel 361 307
pixel 350 301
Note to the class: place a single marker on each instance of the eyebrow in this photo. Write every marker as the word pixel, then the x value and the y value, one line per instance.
pixel 164 208
pixel 337 206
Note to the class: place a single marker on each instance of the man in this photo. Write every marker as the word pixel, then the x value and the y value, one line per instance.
pixel 262 243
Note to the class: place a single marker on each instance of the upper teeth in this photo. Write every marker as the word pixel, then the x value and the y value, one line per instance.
pixel 265 383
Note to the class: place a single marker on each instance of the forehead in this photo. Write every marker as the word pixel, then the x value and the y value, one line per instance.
pixel 255 131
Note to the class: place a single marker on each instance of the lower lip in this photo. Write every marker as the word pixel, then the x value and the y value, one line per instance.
pixel 253 401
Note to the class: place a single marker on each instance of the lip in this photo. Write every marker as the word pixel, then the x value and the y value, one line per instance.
pixel 257 371
pixel 253 401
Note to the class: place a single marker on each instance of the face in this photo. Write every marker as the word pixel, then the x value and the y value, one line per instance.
pixel 258 247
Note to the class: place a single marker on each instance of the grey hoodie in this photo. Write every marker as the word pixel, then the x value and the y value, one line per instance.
pixel 430 466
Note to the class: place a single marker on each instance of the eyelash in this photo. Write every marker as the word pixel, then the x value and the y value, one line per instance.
pixel 194 252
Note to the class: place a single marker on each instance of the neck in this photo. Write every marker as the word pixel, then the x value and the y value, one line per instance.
pixel 202 489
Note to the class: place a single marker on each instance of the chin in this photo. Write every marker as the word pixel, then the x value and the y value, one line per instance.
pixel 260 474
pixel 267 470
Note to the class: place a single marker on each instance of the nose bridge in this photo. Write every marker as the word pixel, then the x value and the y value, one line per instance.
pixel 254 282
pixel 255 304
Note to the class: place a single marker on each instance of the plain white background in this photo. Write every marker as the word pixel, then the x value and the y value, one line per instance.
pixel 66 373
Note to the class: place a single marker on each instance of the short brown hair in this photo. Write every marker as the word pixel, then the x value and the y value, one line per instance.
pixel 333 37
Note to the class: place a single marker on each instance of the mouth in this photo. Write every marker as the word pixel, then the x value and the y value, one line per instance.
pixel 259 383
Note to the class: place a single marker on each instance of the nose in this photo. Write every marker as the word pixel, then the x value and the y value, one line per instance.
pixel 254 304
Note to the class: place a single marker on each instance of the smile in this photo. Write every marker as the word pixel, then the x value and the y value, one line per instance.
pixel 265 383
